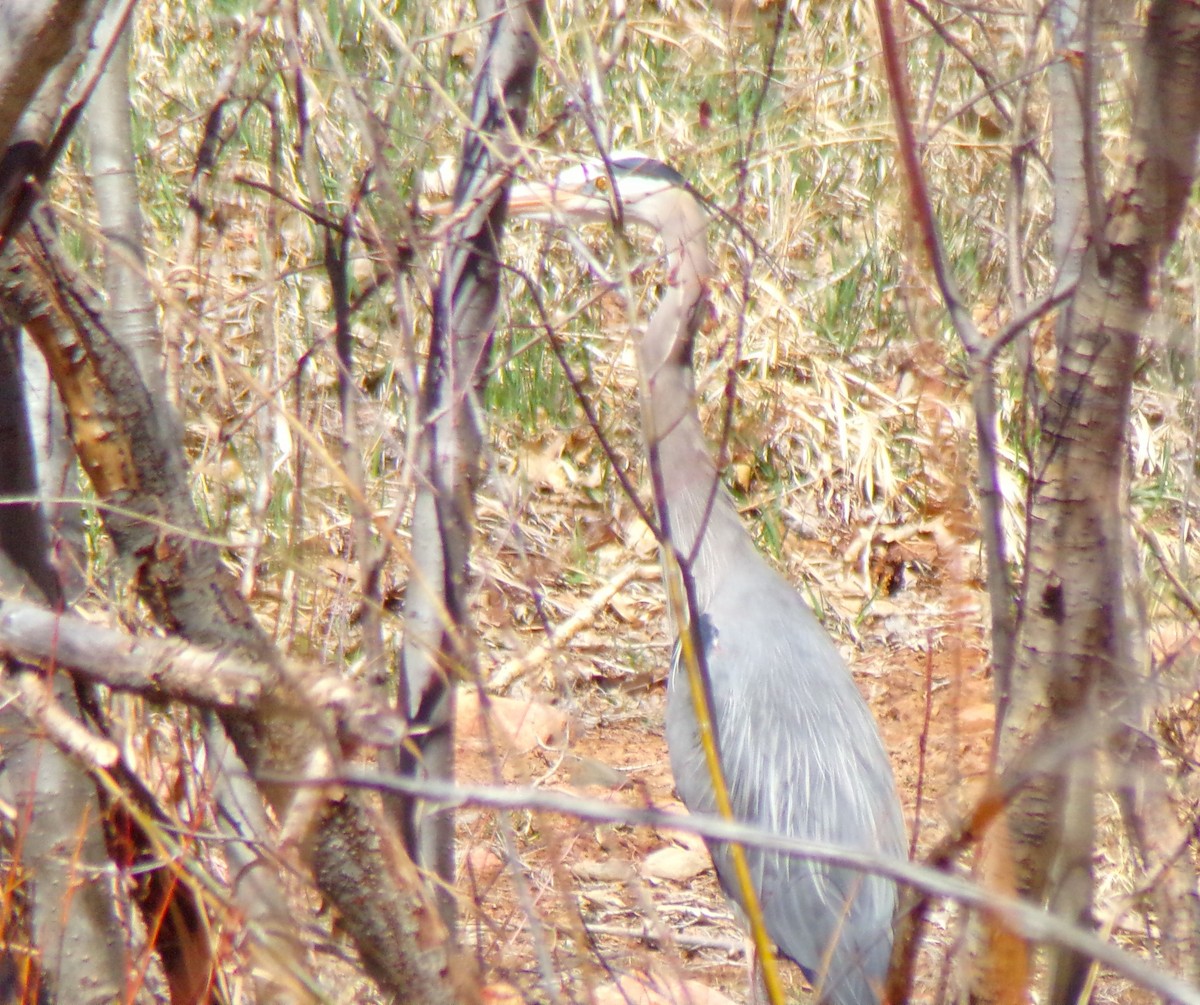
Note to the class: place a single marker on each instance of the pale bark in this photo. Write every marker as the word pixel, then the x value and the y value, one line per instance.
pixel 23 538
pixel 74 926
pixel 133 458
pixel 438 651
pixel 60 845
pixel 1162 842
pixel 58 45
pixel 158 668
pixel 130 310
pixel 57 474
pixel 172 669
pixel 132 455
pixel 37 36
pixel 1079 684
pixel 1070 132
pixel 42 45
pixel 131 318
pixel 1077 674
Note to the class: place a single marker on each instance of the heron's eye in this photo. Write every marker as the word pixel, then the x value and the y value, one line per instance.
pixel 601 183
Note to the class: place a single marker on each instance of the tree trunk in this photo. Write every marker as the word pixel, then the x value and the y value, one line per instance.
pixel 59 838
pixel 438 647
pixel 1076 675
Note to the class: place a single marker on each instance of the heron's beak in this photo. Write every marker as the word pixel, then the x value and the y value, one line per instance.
pixel 545 203
pixel 533 200
pixel 555 203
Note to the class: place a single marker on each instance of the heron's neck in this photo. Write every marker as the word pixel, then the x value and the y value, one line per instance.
pixel 693 506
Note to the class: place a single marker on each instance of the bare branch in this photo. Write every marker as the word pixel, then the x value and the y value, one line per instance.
pixel 162 668
pixel 1032 922
pixel 582 618
pixel 38 703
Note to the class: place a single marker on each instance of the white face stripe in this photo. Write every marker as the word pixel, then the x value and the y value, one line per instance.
pixel 637 176
pixel 649 193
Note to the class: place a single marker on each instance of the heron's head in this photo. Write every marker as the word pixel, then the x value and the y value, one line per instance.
pixel 630 186
pixel 639 188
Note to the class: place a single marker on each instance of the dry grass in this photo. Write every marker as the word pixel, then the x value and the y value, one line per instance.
pixel 851 443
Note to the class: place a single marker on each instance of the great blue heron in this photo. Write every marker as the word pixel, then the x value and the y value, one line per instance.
pixel 800 751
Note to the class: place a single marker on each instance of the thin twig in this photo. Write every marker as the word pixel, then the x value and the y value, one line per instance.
pixel 1056 298
pixel 563 633
pixel 1032 922
pixel 1182 592
pixel 918 189
pixel 734 947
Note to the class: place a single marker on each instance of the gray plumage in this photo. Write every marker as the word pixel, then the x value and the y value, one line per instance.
pixel 799 748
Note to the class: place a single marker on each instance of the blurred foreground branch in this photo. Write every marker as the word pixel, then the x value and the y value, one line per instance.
pixel 439 649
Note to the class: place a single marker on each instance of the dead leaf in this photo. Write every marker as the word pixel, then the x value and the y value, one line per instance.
pixel 978 717
pixel 675 863
pixel 626 608
pixel 542 465
pixel 501 994
pixel 609 870
pixel 640 539
pixel 521 723
pixel 482 864
pixel 584 771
